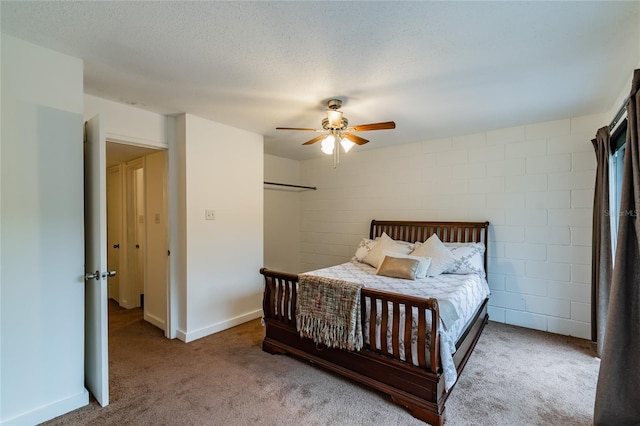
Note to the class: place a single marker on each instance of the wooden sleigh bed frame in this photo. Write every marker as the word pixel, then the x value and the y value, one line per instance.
pixel 417 384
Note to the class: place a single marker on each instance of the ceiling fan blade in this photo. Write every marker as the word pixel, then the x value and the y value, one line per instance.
pixel 300 128
pixel 355 139
pixel 314 140
pixel 373 126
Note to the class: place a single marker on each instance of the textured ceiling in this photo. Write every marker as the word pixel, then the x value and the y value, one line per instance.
pixel 436 68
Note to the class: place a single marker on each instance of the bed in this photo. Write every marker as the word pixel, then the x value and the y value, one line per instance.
pixel 416 362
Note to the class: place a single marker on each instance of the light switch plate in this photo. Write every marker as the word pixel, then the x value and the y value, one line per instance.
pixel 210 215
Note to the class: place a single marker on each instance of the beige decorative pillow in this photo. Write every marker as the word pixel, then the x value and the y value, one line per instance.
pixel 442 258
pixel 385 243
pixel 423 265
pixel 399 267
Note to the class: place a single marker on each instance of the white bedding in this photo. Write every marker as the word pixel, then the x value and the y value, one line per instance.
pixel 465 292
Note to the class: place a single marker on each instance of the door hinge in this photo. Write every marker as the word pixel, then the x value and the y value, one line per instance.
pixel 84 133
pixel 168 252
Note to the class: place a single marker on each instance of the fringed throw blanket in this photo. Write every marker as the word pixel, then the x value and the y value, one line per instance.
pixel 328 311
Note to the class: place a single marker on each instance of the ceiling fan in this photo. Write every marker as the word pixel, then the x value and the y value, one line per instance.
pixel 339 131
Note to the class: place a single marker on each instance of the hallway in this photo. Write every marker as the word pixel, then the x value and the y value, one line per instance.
pixel 120 317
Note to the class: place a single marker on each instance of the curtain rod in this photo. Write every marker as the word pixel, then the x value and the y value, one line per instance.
pixel 620 113
pixel 290 185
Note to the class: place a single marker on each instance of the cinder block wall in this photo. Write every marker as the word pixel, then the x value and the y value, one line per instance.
pixel 534 183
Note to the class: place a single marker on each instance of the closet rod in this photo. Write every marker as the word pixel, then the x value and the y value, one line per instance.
pixel 291 186
pixel 620 113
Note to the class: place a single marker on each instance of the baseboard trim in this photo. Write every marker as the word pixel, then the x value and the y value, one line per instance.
pixel 154 320
pixel 127 305
pixel 49 411
pixel 215 328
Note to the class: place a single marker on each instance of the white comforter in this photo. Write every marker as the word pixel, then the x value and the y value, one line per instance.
pixel 465 292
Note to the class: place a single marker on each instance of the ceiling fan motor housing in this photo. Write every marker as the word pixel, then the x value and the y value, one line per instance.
pixel 334 104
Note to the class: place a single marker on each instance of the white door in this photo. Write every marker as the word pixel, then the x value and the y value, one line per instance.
pixel 96 360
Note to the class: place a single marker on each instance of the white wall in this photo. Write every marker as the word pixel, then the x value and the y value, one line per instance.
pixel 42 235
pixel 281 215
pixel 624 93
pixel 534 183
pixel 126 123
pixel 223 172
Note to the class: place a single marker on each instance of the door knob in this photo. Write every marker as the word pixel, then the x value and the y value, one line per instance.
pixel 94 276
pixel 108 274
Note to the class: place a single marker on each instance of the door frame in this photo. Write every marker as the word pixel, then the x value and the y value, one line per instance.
pixel 170 324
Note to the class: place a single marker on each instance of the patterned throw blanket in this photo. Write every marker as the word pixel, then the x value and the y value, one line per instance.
pixel 328 311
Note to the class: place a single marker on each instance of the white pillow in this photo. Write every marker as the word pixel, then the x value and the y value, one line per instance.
pixel 441 257
pixel 423 262
pixel 382 244
pixel 363 249
pixel 469 258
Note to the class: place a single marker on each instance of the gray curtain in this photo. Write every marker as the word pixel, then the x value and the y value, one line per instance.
pixel 601 240
pixel 618 390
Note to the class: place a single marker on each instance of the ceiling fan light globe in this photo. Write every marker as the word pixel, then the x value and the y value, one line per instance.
pixel 328 144
pixel 346 144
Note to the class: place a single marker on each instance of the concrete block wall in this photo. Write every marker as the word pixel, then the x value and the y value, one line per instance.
pixel 534 183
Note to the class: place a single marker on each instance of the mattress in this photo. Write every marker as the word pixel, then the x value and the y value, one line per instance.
pixel 464 293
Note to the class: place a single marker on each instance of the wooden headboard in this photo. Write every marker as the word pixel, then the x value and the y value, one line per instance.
pixel 450 232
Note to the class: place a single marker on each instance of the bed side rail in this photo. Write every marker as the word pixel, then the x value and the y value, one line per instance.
pixel 279 304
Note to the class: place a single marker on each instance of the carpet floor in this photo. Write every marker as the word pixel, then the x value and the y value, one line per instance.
pixel 515 376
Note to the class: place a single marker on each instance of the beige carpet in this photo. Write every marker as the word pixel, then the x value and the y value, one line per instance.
pixel 515 376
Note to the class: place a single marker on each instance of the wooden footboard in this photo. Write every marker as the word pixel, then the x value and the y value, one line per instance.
pixel 417 384
pixel 279 302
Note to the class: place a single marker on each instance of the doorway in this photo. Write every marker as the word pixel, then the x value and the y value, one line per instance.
pixel 137 243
